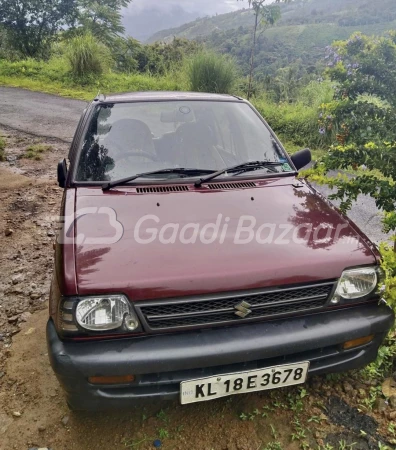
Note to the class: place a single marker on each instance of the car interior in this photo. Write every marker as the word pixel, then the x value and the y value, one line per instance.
pixel 124 142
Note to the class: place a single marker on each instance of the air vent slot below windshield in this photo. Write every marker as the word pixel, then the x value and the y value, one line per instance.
pixel 161 189
pixel 241 185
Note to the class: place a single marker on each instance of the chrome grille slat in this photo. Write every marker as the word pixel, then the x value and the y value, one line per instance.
pixel 187 312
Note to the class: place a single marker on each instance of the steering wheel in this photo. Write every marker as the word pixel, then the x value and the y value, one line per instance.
pixel 123 154
pixel 147 155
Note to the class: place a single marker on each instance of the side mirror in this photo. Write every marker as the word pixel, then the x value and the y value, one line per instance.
pixel 62 173
pixel 302 158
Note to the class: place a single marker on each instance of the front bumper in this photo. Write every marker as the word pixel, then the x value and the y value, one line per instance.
pixel 161 362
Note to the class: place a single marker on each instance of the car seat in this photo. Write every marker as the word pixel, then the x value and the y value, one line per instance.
pixel 129 135
pixel 197 147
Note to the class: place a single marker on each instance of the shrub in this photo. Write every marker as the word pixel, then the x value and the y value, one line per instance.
pixel 363 114
pixel 87 56
pixel 316 93
pixel 211 72
pixel 388 254
pixel 294 122
pixel 298 122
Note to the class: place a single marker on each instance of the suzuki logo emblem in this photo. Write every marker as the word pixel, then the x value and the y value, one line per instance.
pixel 243 309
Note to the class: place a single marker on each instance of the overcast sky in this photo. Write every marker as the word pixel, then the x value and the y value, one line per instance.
pixel 202 6
pixel 143 18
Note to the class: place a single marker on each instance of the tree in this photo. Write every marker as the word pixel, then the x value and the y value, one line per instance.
pixel 363 117
pixel 32 25
pixel 126 54
pixel 288 82
pixel 102 18
pixel 266 15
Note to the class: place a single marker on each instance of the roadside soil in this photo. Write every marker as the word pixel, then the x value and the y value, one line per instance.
pixel 33 412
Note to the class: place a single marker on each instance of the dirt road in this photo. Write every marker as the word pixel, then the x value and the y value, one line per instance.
pixel 33 412
pixel 39 114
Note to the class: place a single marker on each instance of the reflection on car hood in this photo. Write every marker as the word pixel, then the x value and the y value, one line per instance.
pixel 294 243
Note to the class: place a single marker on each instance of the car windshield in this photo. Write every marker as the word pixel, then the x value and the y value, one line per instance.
pixel 126 139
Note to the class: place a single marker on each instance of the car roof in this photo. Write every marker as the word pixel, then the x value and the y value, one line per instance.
pixel 151 96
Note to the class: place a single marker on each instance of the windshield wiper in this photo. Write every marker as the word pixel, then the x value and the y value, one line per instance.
pixel 240 168
pixel 181 171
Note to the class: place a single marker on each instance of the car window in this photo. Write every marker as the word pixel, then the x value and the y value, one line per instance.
pixel 126 139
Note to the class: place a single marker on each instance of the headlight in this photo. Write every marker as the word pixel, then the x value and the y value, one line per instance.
pixel 356 283
pixel 99 313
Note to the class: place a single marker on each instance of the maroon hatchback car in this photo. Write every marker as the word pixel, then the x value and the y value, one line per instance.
pixel 192 263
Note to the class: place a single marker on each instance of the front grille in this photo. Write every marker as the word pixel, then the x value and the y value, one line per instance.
pixel 221 309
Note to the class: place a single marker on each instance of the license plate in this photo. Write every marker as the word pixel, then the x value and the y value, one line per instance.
pixel 204 389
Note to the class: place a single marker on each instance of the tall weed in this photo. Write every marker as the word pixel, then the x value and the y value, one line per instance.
pixel 87 56
pixel 210 72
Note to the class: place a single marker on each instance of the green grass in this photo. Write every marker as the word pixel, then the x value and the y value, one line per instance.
pixel 35 151
pixel 55 77
pixel 110 84
pixel 53 88
pixel 2 148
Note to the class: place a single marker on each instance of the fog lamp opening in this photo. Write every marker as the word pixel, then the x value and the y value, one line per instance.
pixel 357 342
pixel 112 380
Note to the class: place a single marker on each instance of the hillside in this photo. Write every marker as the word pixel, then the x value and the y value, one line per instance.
pixel 298 40
pixel 337 13
pixel 204 26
